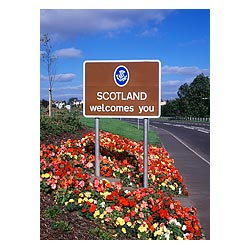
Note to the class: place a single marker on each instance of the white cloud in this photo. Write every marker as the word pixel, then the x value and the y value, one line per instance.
pixel 68 77
pixel 171 83
pixel 68 53
pixel 68 23
pixel 185 70
pixel 149 32
pixel 78 87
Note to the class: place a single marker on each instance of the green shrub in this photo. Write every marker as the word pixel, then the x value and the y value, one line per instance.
pixel 60 122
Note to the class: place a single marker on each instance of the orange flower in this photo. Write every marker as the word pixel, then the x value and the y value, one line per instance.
pixel 92 208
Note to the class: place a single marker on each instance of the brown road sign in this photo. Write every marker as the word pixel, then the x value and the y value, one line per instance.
pixel 122 88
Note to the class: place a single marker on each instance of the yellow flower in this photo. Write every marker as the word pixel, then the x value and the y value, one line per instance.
pixel 87 194
pixel 91 200
pixel 124 230
pixel 101 216
pixel 155 225
pixel 79 200
pixel 142 228
pixel 71 200
pixel 120 221
pixel 158 232
pixel 153 177
pixel 179 238
pixel 163 184
pixel 106 194
pixel 129 223
pixel 172 187
pixel 81 194
pixel 97 212
pixel 46 175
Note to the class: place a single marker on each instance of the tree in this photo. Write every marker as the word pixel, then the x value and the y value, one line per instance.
pixel 44 103
pixel 199 96
pixel 49 60
pixel 193 100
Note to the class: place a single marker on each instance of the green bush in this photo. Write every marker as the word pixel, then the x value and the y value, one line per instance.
pixel 60 122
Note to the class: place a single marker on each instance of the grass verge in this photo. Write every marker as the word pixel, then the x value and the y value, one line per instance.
pixel 122 128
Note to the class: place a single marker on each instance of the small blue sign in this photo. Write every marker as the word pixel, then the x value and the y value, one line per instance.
pixel 121 76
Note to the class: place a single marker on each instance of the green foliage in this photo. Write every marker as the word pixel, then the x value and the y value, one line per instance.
pixel 62 121
pixel 52 212
pixel 193 100
pixel 102 234
pixel 122 128
pixel 61 225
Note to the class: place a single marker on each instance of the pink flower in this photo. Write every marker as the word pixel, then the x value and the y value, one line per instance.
pixel 96 183
pixel 109 209
pixel 171 206
pixel 81 183
pixel 118 186
pixel 141 215
pixel 119 209
pixel 108 219
pixel 126 219
pixel 144 204
pixel 89 165
pixel 53 186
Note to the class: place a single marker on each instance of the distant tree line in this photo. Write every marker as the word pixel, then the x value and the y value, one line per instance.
pixel 45 103
pixel 193 100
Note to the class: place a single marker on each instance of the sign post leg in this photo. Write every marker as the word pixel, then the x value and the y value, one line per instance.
pixel 145 149
pixel 97 147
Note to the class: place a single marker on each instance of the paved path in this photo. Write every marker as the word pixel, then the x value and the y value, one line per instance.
pixel 196 175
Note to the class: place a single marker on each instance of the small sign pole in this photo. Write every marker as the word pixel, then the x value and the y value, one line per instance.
pixel 97 147
pixel 145 149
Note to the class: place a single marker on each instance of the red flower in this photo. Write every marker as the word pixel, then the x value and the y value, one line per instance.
pixel 92 208
pixel 150 218
pixel 164 213
pixel 110 197
pixel 132 203
pixel 124 201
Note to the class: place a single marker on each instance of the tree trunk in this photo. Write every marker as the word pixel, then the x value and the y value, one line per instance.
pixel 50 102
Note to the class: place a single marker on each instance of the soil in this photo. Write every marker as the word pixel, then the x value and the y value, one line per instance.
pixel 79 227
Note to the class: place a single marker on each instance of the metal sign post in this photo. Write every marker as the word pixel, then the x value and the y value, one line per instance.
pixel 120 89
pixel 97 147
pixel 145 149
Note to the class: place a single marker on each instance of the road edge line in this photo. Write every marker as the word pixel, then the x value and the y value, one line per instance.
pixel 179 140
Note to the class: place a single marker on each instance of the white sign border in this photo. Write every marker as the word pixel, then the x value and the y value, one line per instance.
pixel 123 116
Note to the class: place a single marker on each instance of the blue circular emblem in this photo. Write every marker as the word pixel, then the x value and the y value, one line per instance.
pixel 121 76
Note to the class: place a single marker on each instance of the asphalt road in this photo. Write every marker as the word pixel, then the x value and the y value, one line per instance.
pixel 194 135
pixel 189 145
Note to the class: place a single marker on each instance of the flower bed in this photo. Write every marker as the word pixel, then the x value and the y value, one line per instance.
pixel 143 213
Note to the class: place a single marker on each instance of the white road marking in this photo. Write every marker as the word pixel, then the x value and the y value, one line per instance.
pixel 203 131
pixel 179 140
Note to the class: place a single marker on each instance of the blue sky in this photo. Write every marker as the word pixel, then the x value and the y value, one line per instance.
pixel 180 39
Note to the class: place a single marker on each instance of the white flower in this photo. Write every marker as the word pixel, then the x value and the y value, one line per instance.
pixel 103 204
pixel 127 191
pixel 183 228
